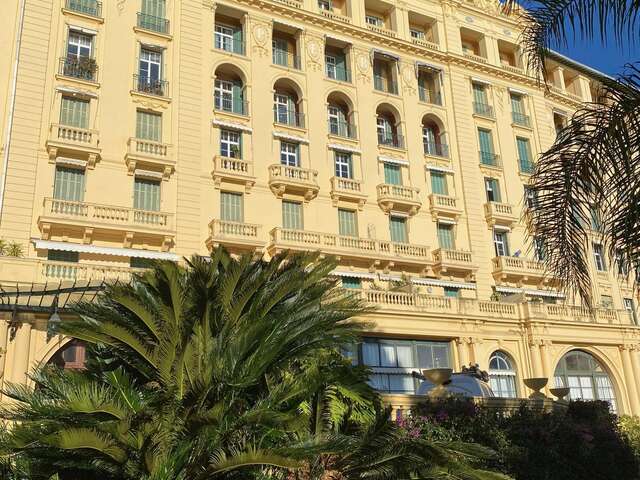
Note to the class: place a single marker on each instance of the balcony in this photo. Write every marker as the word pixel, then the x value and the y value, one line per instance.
pixel 335 72
pixel 222 103
pixel 286 59
pixel 366 250
pixel 451 262
pixel 519 270
pixel 60 271
pixel 79 141
pixel 436 149
pixel 444 206
pixel 81 68
pixel 398 198
pixel 233 170
pixel 289 117
pixel 149 152
pixel 91 8
pixel 234 235
pixel 381 30
pixel 97 217
pixel 296 180
pixel 483 110
pixel 490 159
pixel 426 44
pixel 150 86
pixel 521 119
pixel 334 16
pixel 526 166
pixel 384 84
pixel 347 189
pixel 228 44
pixel 153 23
pixel 497 213
pixel 475 58
pixel 428 96
pixel 391 140
pixel 342 129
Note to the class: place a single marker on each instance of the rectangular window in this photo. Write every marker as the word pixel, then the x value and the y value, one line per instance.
pixel 148 126
pixel 492 187
pixel 398 229
pixel 479 94
pixel 344 168
pixel 155 8
pixel 539 252
pixel 74 112
pixel 501 243
pixel 231 207
pixel 347 223
pixel 531 198
pixel 63 256
pixel 324 5
pixel 146 194
pixel 229 38
pixel 517 105
pixel 598 257
pixel 439 183
pixel 392 174
pixel 417 34
pixel 230 144
pixel 630 307
pixel 280 48
pixel 374 20
pixel 79 45
pixel 485 140
pixel 152 16
pixel 524 155
pixel 351 282
pixel 69 184
pixel 150 66
pixel 452 292
pixel 292 215
pixel 138 262
pixel 289 154
pixel 445 236
pixel 391 361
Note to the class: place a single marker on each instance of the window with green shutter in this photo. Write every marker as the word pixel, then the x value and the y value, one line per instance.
pixel 149 126
pixel 69 184
pixel 63 256
pixel 398 229
pixel 74 112
pixel 392 174
pixel 486 146
pixel 524 154
pixel 445 236
pixel 439 183
pixel 351 282
pixel 452 292
pixel 231 207
pixel 479 94
pixel 347 223
pixel 155 8
pixel 146 195
pixel 492 188
pixel 517 105
pixel 292 215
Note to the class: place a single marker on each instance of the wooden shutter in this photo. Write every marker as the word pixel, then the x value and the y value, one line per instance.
pixel 347 223
pixel 149 126
pixel 231 207
pixel 74 112
pixel 146 195
pixel 486 144
pixel 292 215
pixel 392 174
pixel 398 229
pixel 439 183
pixel 69 184
pixel 445 237
pixel 524 150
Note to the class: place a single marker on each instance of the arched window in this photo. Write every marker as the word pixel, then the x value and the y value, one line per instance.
pixel 229 94
pixel 502 375
pixel 70 357
pixel 585 377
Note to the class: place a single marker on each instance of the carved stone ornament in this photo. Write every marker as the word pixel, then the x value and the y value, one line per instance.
pixel 449 7
pixel 120 5
pixel 407 73
pixel 314 54
pixel 363 65
pixel 260 34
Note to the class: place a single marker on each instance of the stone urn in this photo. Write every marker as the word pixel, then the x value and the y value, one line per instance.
pixel 560 393
pixel 439 377
pixel 536 384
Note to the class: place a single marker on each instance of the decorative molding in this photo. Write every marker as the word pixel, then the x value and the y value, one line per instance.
pixel 315 48
pixel 260 33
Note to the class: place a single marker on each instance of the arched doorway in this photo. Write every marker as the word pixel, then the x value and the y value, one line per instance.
pixel 586 378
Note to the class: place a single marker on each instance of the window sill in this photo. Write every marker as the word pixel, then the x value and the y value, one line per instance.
pixel 222 51
pixel 135 93
pixel 86 16
pixel 88 83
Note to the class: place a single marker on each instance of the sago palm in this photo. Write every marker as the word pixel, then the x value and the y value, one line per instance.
pixel 592 172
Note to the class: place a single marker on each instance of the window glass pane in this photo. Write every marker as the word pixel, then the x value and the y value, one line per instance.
pixel 479 93
pixel 445 236
pixel 439 183
pixel 292 215
pixel 387 355
pixel 74 112
pixel 398 229
pixel 401 383
pixel 347 223
pixel 231 207
pixel 146 194
pixel 351 282
pixel 405 356
pixel 289 154
pixel 69 184
pixel 370 354
pixel 149 126
pixel 343 165
pixel 451 292
pixel 392 174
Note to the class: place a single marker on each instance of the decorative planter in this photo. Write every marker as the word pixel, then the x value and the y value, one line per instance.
pixel 439 377
pixel 536 384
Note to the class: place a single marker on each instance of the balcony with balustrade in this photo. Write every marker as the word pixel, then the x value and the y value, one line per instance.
pixel 235 236
pixel 454 262
pixel 365 252
pixel 348 190
pixel 150 154
pixel 82 143
pixel 444 206
pixel 498 213
pixel 69 271
pixel 91 219
pixel 295 180
pixel 232 170
pixel 520 270
pixel 398 198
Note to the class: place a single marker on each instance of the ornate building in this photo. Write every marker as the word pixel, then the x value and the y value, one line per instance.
pixel 397 135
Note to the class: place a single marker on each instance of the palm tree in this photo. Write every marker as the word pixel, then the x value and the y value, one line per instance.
pixel 225 368
pixel 592 172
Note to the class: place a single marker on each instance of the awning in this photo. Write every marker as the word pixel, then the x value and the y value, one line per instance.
pixel 88 31
pixel 480 80
pixel 76 91
pixel 382 53
pixel 344 148
pixel 443 283
pixel 519 92
pixel 531 292
pixel 287 136
pixel 71 162
pixel 232 125
pixel 119 252
pixel 428 66
pixel 438 168
pixel 446 221
pixel 367 275
pixel 397 161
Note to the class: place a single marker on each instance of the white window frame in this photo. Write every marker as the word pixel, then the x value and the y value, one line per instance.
pixel 74 38
pixel 289 154
pixel 373 20
pixel 330 62
pixel 325 5
pixel 224 37
pixel 150 57
pixel 344 163
pixel 223 90
pixel 281 101
pixel 598 257
pixel 229 139
pixel 417 34
pixel 501 243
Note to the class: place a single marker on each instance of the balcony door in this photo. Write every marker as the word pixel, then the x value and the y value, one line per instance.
pixel 146 195
pixel 74 112
pixel 69 184
pixel 285 107
pixel 79 45
pixel 150 68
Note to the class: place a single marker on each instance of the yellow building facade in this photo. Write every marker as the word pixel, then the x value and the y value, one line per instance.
pixel 396 135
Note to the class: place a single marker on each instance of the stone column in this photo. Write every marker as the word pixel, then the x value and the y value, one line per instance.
pixel 463 355
pixel 19 360
pixel 630 379
pixel 534 351
pixel 546 367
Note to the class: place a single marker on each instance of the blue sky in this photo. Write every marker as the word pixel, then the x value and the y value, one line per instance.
pixel 608 59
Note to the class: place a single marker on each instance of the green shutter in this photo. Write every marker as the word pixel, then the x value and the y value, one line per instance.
pixel 74 112
pixel 238 99
pixel 347 223
pixel 439 183
pixel 479 94
pixel 292 215
pixel 149 126
pixel 392 174
pixel 486 144
pixel 445 236
pixel 231 207
pixel 516 104
pixel 69 184
pixel 154 8
pixel 238 46
pixel 341 69
pixel 146 195
pixel 398 229
pixel 524 150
